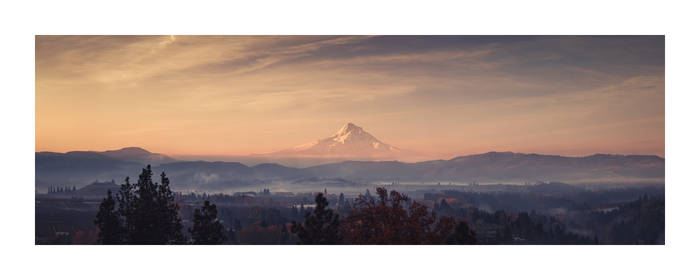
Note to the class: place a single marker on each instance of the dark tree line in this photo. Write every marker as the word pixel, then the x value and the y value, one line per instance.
pixel 641 221
pixel 146 213
pixel 501 227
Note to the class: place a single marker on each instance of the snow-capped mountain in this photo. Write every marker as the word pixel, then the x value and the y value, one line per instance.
pixel 351 141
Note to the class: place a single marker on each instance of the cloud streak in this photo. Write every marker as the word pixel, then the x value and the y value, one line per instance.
pixel 446 95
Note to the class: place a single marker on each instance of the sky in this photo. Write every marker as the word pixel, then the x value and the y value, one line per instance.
pixel 440 95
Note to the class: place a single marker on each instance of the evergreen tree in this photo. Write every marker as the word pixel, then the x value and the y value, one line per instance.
pixel 462 235
pixel 284 235
pixel 108 222
pixel 148 212
pixel 237 225
pixel 207 229
pixel 320 226
pixel 368 196
pixel 444 206
pixel 341 204
pixel 294 211
pixel 341 199
pixel 155 214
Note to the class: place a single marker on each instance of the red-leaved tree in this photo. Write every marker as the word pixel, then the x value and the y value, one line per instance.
pixel 391 219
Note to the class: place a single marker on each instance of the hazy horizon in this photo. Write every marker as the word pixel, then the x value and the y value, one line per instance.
pixel 444 96
pixel 225 157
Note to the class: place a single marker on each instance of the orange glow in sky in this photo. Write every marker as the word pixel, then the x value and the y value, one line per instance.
pixel 444 95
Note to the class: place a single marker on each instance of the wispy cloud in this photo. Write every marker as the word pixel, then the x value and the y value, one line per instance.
pixel 251 94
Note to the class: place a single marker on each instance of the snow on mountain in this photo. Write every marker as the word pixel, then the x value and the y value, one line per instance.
pixel 350 141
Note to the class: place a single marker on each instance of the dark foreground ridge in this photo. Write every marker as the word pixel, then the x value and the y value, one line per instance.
pixel 147 212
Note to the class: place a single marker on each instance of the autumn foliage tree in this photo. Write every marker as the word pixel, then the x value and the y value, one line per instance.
pixel 391 219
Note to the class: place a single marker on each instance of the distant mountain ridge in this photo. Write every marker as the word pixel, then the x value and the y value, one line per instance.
pixel 138 154
pixel 81 168
pixel 130 154
pixel 506 167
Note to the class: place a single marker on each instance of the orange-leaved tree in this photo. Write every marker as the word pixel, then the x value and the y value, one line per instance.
pixel 393 219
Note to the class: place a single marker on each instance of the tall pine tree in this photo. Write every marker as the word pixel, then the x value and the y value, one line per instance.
pixel 147 212
pixel 207 229
pixel 320 226
pixel 108 222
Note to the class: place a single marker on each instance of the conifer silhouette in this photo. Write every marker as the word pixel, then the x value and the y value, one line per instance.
pixel 207 229
pixel 320 226
pixel 147 213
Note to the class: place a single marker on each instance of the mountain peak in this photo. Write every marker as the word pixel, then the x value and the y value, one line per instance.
pixel 350 141
pixel 353 133
pixel 349 128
